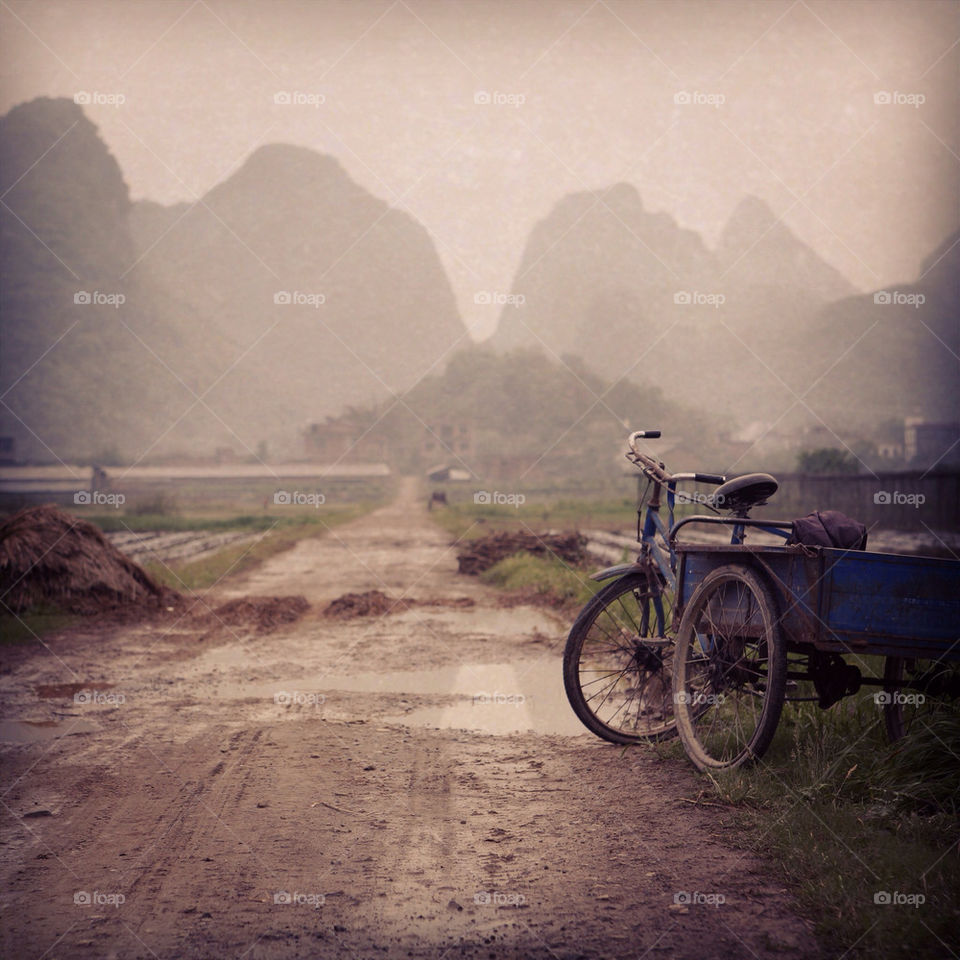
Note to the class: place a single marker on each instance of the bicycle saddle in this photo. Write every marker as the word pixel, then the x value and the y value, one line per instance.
pixel 742 493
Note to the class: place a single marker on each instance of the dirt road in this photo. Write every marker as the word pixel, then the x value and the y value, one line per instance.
pixel 190 788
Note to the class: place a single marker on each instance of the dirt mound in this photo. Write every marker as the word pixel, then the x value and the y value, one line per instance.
pixel 264 613
pixel 49 557
pixel 373 603
pixel 478 555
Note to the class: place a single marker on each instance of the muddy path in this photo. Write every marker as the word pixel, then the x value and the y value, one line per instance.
pixel 408 785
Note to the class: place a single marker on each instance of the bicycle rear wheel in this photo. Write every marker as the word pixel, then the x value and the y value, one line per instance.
pixel 730 670
pixel 617 665
pixel 918 693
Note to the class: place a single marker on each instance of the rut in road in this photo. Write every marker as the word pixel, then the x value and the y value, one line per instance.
pixel 330 821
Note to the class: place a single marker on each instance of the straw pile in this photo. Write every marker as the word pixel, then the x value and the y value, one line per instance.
pixel 48 558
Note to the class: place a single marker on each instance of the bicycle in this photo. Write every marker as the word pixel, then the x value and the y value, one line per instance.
pixel 618 660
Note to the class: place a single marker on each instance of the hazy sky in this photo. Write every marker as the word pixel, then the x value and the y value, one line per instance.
pixel 477 117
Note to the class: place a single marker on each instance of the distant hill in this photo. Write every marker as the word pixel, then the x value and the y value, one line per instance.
pixel 286 293
pixel 75 379
pixel 524 417
pixel 895 351
pixel 635 294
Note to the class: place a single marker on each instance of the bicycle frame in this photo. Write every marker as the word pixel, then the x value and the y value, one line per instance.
pixel 658 557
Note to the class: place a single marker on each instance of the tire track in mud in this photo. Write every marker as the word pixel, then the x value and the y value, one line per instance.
pixel 208 801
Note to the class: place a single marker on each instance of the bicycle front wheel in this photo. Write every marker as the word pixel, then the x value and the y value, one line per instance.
pixel 730 670
pixel 618 663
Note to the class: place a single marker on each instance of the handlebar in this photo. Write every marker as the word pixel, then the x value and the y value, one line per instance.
pixel 642 435
pixel 657 471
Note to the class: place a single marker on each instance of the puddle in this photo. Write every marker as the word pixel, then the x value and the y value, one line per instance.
pixel 499 698
pixel 495 697
pixel 35 731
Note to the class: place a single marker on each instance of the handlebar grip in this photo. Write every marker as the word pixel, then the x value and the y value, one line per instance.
pixel 710 478
pixel 647 434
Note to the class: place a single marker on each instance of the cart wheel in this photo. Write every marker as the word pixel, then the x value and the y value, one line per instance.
pixel 915 690
pixel 617 664
pixel 730 670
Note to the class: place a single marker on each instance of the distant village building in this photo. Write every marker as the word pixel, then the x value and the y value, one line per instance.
pixel 926 444
pixel 442 473
pixel 338 440
pixel 442 439
pixel 890 450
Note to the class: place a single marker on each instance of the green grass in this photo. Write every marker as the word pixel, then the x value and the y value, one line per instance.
pixel 845 815
pixel 468 520
pixel 174 522
pixel 545 577
pixel 26 627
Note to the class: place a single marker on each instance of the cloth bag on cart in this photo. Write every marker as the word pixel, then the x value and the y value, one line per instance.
pixel 829 528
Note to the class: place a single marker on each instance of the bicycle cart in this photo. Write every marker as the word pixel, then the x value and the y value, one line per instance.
pixel 710 640
pixel 756 621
